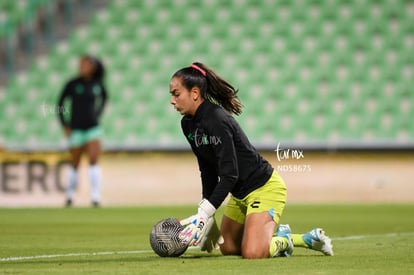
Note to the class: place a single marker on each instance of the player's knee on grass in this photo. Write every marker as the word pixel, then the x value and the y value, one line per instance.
pixel 231 245
pixel 232 233
pixel 254 251
pixel 228 249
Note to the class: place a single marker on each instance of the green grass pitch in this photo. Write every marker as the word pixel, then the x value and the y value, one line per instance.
pixel 81 236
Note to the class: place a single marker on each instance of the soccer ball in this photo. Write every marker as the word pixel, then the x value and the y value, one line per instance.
pixel 164 238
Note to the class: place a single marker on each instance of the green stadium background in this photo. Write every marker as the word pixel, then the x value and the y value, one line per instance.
pixel 333 78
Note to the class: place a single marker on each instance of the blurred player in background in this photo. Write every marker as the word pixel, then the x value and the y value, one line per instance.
pixel 88 96
pixel 230 164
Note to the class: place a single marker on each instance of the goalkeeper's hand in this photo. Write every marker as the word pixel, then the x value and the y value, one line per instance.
pixel 197 225
pixel 212 238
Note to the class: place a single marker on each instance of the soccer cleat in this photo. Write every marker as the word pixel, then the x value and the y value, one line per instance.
pixel 284 232
pixel 317 240
pixel 96 204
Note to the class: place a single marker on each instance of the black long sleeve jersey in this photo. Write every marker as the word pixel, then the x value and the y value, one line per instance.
pixel 227 160
pixel 88 101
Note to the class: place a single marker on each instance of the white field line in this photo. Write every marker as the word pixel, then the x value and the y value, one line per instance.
pixel 102 253
pixel 358 237
pixel 10 259
pixel 81 254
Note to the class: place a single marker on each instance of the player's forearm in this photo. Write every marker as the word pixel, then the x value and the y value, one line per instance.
pixel 222 189
pixel 209 182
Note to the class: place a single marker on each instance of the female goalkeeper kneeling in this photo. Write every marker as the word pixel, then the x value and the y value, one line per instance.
pixel 230 164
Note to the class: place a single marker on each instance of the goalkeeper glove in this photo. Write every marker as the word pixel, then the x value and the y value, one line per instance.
pixel 212 238
pixel 196 226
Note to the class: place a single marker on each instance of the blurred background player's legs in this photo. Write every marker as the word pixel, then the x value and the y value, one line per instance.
pixel 76 154
pixel 94 149
pixel 85 141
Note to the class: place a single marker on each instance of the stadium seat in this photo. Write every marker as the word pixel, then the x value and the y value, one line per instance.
pixel 307 70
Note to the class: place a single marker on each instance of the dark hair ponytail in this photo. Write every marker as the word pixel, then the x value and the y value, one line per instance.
pixel 212 86
pixel 99 73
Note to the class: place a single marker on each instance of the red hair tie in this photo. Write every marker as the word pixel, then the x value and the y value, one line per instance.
pixel 198 69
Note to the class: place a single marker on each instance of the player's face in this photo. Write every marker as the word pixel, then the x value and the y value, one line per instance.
pixel 181 98
pixel 86 68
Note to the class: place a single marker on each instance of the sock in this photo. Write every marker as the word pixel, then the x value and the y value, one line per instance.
pixel 72 184
pixel 277 245
pixel 95 179
pixel 298 240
